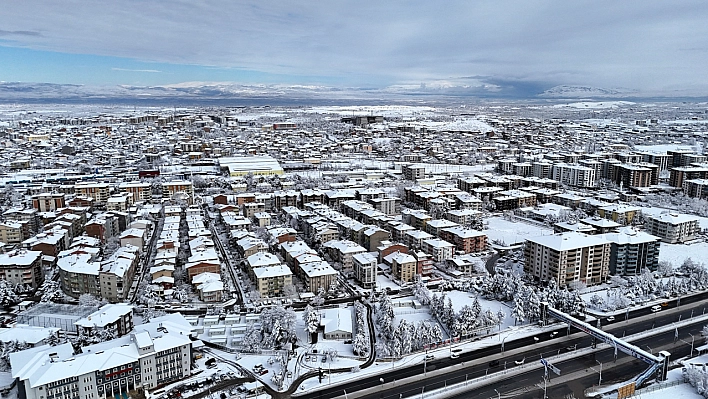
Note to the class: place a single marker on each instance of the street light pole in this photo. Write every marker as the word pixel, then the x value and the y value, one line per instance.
pixel 599 382
pixel 498 394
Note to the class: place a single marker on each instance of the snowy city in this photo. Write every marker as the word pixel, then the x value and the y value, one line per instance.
pixel 353 200
pixel 321 252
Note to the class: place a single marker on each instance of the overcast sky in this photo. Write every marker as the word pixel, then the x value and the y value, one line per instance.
pixel 645 45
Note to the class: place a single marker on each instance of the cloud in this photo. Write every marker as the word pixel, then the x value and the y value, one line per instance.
pixel 633 43
pixel 136 70
pixel 19 33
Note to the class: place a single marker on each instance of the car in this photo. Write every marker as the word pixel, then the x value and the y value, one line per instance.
pixel 263 372
pixel 429 357
pixel 611 319
pixel 664 304
pixel 655 308
pixel 494 363
pixel 519 362
pixel 454 355
pixel 290 374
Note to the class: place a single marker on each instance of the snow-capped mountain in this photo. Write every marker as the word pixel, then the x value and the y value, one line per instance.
pixel 570 91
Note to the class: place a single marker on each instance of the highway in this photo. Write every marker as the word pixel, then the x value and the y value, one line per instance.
pixel 526 348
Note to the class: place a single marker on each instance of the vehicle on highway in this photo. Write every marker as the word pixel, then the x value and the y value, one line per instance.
pixel 664 304
pixel 611 319
pixel 519 362
pixel 655 308
pixel 429 357
pixel 454 355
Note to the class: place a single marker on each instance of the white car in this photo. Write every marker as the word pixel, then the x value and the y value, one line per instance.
pixel 655 308
pixel 519 362
pixel 611 319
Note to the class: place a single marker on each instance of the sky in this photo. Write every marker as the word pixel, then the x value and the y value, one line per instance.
pixel 480 46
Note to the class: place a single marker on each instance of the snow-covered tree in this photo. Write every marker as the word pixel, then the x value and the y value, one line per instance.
pixel 519 312
pixel 8 296
pixel 90 300
pixel 51 291
pixel 252 338
pixel 311 319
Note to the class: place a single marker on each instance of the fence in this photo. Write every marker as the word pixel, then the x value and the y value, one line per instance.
pixel 656 387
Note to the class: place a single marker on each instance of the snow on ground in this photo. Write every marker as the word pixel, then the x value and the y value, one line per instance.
pixel 594 104
pixel 512 232
pixel 461 298
pixel 387 111
pixel 661 148
pixel 678 253
pixel 681 391
pixel 652 210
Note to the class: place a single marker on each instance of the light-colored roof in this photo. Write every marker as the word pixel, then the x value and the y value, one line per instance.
pixel 629 235
pixel 568 241
pixel 105 315
pixel 674 218
pixel 271 271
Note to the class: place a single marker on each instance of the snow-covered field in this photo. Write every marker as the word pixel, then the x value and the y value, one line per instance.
pixel 512 232
pixel 594 104
pixel 677 253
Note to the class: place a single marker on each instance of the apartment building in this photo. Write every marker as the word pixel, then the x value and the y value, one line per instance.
pixel 117 317
pixel 413 172
pixel 48 202
pixel 22 267
pixel 179 189
pixel 318 274
pixel 567 258
pixel 365 266
pixel 78 275
pixel 99 192
pixel 271 280
pixel 155 354
pixel 136 191
pixel 11 233
pixel 672 227
pixel 574 175
pixel 465 239
pixel 403 266
pixel 632 252
pixel 116 274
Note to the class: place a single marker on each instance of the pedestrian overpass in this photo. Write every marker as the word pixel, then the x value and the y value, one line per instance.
pixel 657 364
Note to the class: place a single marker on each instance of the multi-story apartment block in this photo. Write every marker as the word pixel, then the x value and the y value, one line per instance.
pixel 678 175
pixel 567 258
pixel 413 172
pixel 79 275
pixel 365 266
pixel 388 206
pixel 672 227
pixel 271 280
pixel 136 191
pixel 574 175
pixel 22 267
pixel 155 354
pixel 542 169
pixel 632 252
pixel 318 275
pixel 48 202
pixel 98 191
pixel 403 266
pixel 696 188
pixel 343 251
pixel 465 239
pixel 180 189
pixel 117 317
pixel 116 274
pixel 439 249
pixel 12 233
pixel 634 175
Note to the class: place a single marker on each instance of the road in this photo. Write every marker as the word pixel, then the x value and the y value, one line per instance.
pixel 529 349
